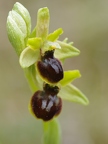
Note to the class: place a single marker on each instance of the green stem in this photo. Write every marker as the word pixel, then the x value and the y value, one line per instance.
pixel 31 78
pixel 52 132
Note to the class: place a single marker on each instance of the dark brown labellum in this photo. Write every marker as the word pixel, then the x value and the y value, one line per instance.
pixel 50 68
pixel 45 105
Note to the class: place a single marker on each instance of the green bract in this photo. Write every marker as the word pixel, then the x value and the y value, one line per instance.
pixel 73 94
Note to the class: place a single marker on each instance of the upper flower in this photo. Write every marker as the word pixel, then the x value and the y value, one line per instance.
pixel 31 48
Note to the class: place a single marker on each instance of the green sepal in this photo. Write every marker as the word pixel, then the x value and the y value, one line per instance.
pixel 69 76
pixel 73 94
pixel 55 35
pixel 20 9
pixel 52 132
pixel 66 51
pixel 42 26
pixel 28 57
pixel 15 35
pixel 34 43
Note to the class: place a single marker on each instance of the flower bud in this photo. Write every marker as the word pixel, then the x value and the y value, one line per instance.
pixel 18 27
pixel 20 9
pixel 15 35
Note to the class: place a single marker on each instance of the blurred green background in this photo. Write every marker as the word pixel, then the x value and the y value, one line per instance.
pixel 85 22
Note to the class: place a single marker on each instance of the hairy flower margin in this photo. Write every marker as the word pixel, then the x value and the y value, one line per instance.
pixel 27 45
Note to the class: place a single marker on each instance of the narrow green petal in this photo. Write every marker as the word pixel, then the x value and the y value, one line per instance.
pixel 42 26
pixel 55 35
pixel 28 57
pixel 69 76
pixel 34 43
pixel 52 132
pixel 66 51
pixel 15 35
pixel 73 94
pixel 20 9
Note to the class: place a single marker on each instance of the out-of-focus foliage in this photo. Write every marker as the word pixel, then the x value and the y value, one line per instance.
pixel 86 23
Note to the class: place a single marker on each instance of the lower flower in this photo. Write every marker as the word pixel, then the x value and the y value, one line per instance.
pixel 46 104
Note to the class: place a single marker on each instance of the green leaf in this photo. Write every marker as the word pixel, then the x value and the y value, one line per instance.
pixel 20 9
pixel 42 26
pixel 69 76
pixel 15 35
pixel 73 94
pixel 34 43
pixel 66 51
pixel 52 133
pixel 55 35
pixel 28 57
